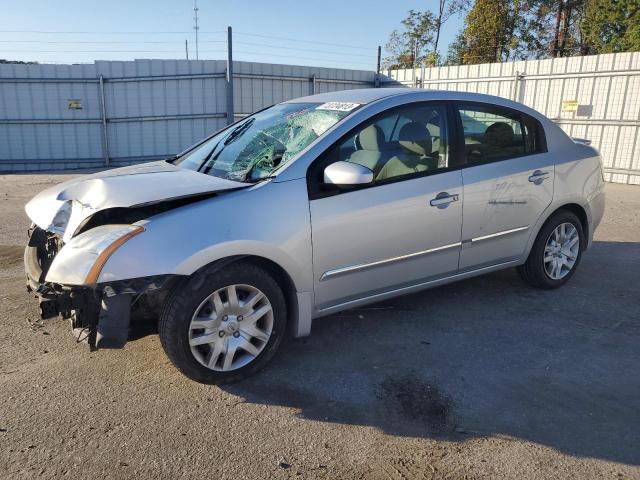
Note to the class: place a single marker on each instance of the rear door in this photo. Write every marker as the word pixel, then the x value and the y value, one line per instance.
pixel 508 182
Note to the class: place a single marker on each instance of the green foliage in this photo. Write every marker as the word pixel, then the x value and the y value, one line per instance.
pixel 491 31
pixel 456 51
pixel 612 26
pixel 4 62
pixel 411 45
pixel 502 30
pixel 417 43
pixel 554 28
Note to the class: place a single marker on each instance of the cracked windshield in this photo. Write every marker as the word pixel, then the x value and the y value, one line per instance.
pixel 254 148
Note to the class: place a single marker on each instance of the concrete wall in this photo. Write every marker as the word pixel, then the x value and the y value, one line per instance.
pixel 152 108
pixel 605 87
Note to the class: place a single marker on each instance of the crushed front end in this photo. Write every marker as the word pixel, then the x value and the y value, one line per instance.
pixel 99 313
pixel 81 225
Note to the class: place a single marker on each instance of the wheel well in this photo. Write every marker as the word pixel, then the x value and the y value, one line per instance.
pixel 279 274
pixel 579 212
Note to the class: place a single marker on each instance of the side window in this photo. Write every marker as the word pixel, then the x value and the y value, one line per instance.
pixel 406 141
pixel 492 134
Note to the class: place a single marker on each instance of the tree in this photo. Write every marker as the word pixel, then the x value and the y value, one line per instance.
pixel 446 9
pixel 4 62
pixel 498 30
pixel 611 26
pixel 491 31
pixel 418 43
pixel 553 28
pixel 411 46
pixel 456 51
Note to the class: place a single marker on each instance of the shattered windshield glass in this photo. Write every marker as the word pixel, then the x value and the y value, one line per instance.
pixel 255 147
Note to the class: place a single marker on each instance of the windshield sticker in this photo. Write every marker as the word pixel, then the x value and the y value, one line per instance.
pixel 338 106
pixel 299 112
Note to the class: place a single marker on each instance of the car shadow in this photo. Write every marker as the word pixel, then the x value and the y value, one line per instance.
pixel 488 356
pixel 483 357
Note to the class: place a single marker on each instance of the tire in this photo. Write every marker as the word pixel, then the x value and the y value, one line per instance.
pixel 179 332
pixel 535 271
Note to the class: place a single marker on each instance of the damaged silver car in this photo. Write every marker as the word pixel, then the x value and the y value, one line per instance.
pixel 307 208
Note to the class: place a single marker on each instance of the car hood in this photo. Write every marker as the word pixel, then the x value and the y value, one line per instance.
pixel 62 208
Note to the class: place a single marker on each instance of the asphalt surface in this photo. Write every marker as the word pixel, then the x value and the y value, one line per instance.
pixel 486 378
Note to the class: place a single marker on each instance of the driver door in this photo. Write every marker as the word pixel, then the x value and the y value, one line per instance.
pixel 401 230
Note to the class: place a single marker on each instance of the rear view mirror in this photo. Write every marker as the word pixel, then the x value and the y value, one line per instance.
pixel 347 174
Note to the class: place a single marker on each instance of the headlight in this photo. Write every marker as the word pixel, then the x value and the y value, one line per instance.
pixel 81 260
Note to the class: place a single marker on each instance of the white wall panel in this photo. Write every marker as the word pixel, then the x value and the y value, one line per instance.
pixel 153 108
pixel 607 88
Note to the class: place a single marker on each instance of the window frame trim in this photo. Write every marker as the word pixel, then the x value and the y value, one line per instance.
pixel 456 156
pixel 541 140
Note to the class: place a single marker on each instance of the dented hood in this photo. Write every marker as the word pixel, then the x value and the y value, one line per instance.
pixel 62 208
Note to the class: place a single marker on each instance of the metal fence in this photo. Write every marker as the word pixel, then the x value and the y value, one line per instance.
pixel 118 113
pixel 592 97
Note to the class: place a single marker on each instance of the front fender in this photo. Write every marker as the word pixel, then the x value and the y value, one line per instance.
pixel 270 220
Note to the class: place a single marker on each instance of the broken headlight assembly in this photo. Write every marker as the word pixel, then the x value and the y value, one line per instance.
pixel 82 259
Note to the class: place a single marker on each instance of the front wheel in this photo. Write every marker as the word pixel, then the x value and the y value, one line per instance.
pixel 223 325
pixel 556 252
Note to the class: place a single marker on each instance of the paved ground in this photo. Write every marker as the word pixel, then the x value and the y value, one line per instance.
pixel 482 379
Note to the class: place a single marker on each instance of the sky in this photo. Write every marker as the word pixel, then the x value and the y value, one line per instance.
pixel 328 33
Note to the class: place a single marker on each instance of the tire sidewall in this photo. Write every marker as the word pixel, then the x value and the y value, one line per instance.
pixel 536 257
pixel 187 297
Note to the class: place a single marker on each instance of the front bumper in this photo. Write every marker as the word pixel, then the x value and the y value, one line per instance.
pixel 103 310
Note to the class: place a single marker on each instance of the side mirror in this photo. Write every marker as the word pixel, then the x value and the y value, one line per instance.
pixel 345 174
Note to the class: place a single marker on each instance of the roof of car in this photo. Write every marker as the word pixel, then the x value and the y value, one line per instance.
pixel 359 95
pixel 364 96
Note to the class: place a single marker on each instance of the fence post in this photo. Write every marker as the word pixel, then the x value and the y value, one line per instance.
pixel 312 81
pixel 514 90
pixel 230 107
pixel 103 112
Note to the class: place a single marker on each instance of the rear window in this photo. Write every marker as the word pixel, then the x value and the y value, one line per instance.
pixel 494 133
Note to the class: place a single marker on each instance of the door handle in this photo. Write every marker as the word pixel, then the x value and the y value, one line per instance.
pixel 538 177
pixel 443 199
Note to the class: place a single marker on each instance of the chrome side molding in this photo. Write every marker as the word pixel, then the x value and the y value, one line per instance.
pixel 363 266
pixel 497 234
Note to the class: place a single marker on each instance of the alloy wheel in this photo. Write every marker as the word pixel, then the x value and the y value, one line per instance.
pixel 231 327
pixel 561 251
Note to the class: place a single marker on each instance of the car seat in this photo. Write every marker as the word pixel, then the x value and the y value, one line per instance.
pixel 416 155
pixel 369 144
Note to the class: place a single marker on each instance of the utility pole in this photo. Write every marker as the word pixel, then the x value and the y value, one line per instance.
pixel 195 25
pixel 415 61
pixel 186 48
pixel 377 79
pixel 230 106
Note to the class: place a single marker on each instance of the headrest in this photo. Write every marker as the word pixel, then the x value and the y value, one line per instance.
pixel 415 138
pixel 371 138
pixel 500 134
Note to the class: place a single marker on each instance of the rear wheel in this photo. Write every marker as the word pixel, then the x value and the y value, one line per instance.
pixel 556 252
pixel 223 325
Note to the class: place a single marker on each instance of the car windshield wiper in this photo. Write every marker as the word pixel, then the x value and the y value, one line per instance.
pixel 238 131
pixel 257 180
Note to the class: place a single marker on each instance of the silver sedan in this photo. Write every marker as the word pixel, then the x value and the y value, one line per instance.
pixel 307 208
